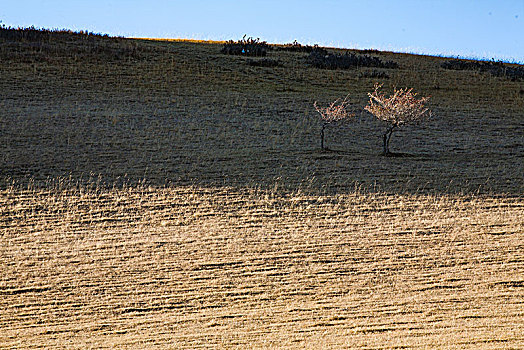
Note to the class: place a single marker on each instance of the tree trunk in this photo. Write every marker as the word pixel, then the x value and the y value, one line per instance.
pixel 322 136
pixel 387 137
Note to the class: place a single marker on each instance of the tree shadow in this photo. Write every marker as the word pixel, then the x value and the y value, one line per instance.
pixel 399 155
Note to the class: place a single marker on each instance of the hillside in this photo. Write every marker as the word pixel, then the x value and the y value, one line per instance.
pixel 183 112
pixel 163 194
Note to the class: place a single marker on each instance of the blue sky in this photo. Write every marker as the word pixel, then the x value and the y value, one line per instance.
pixel 481 29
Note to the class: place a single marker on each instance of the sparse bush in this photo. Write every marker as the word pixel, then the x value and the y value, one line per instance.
pixel 295 46
pixel 396 110
pixel 335 112
pixel 325 60
pixel 246 47
pixel 495 68
pixel 370 51
pixel 317 50
pixel 264 62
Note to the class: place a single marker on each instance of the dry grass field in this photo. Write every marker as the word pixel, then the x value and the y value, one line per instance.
pixel 159 194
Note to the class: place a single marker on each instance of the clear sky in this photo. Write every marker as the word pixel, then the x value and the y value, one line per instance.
pixel 469 28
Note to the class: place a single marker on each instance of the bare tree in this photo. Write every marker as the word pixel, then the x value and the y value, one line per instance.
pixel 401 108
pixel 335 112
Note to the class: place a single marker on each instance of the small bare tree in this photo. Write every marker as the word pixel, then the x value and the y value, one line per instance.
pixel 335 112
pixel 396 110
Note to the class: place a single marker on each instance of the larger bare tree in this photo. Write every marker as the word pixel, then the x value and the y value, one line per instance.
pixel 398 109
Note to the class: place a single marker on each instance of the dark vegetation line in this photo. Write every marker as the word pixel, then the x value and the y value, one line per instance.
pixel 34 45
pixel 38 40
pixel 495 68
pixel 40 34
pixel 320 57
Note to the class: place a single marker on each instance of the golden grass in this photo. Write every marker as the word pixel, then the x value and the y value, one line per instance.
pixel 184 40
pixel 191 267
pixel 215 221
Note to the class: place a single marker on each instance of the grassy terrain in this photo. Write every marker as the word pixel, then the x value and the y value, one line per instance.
pixel 161 194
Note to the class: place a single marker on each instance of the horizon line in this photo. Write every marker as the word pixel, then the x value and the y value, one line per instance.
pixel 400 51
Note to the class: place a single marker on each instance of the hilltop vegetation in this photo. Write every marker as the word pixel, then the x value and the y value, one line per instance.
pixel 160 194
